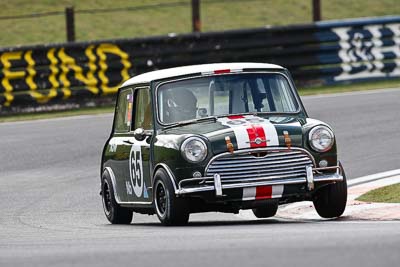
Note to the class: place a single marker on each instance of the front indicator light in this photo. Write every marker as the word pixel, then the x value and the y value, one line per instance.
pixel 323 163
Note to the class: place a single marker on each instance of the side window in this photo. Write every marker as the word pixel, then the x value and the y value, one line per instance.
pixel 143 111
pixel 123 117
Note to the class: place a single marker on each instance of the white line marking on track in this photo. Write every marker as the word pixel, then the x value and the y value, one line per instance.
pixel 366 92
pixel 312 216
pixel 66 118
pixel 372 177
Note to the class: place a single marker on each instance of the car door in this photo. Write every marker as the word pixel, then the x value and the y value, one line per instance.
pixel 139 156
pixel 120 145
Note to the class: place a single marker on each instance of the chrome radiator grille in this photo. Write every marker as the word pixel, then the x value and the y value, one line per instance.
pixel 260 166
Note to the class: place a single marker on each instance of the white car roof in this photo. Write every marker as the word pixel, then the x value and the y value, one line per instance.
pixel 186 70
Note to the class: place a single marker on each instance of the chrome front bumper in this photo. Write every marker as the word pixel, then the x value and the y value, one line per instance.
pixel 314 175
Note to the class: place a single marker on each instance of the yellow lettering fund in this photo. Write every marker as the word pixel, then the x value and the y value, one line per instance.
pixel 102 52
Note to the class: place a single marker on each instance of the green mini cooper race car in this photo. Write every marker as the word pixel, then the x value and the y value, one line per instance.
pixel 217 137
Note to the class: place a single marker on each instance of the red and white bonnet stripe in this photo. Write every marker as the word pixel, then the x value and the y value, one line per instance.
pixel 251 131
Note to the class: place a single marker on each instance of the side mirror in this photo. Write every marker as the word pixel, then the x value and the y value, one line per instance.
pixel 140 134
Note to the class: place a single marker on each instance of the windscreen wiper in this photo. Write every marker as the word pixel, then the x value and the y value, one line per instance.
pixel 209 118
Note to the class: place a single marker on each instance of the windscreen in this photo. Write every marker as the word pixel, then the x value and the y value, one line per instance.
pixel 225 95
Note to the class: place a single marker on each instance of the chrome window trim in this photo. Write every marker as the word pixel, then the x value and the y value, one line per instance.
pixel 135 90
pixel 293 91
pixel 115 113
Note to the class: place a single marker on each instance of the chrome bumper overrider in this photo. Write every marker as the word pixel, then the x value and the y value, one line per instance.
pixel 314 175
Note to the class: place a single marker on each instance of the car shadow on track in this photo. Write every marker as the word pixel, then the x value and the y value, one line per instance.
pixel 224 223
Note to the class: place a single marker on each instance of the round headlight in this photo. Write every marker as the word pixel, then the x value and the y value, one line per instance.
pixel 321 138
pixel 194 149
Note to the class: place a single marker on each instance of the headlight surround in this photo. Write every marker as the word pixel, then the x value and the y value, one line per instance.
pixel 194 149
pixel 321 138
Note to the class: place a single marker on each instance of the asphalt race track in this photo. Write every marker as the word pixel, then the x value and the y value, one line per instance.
pixel 51 214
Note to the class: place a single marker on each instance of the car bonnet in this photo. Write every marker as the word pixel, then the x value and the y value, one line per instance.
pixel 246 131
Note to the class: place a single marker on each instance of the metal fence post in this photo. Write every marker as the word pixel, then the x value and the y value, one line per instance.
pixel 316 7
pixel 70 23
pixel 196 23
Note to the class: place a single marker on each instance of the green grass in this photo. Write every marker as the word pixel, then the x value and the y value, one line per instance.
pixel 56 114
pixel 215 16
pixel 388 194
pixel 340 88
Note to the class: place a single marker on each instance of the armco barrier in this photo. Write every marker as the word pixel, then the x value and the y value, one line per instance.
pixel 321 53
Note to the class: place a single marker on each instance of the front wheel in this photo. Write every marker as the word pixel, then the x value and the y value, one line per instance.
pixel 330 200
pixel 115 213
pixel 170 209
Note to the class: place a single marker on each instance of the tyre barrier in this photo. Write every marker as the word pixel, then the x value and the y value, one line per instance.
pixel 322 53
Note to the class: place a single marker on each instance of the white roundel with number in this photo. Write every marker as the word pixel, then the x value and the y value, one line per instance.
pixel 136 170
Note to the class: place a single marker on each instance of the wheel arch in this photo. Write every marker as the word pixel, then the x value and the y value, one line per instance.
pixel 169 174
pixel 108 171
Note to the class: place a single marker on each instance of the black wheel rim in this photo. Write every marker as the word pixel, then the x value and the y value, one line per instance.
pixel 106 198
pixel 161 198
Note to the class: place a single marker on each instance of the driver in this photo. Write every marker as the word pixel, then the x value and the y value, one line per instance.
pixel 181 104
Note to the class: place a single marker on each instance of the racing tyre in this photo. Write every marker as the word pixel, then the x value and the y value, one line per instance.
pixel 170 209
pixel 114 212
pixel 267 210
pixel 330 201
